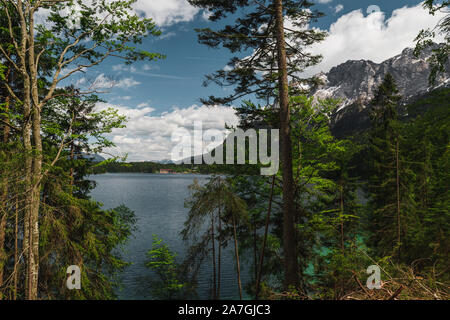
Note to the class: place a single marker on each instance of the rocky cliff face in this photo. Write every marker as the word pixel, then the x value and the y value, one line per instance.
pixel 355 82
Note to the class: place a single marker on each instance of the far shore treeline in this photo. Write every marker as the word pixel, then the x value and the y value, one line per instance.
pixel 155 167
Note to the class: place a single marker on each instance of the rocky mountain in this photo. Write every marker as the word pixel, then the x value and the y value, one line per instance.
pixel 355 82
pixel 92 157
pixel 165 161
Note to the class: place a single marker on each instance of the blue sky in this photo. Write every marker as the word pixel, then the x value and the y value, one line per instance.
pixel 161 96
pixel 177 80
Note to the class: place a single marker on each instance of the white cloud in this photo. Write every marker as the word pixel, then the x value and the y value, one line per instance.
pixel 119 68
pixel 163 12
pixel 148 137
pixel 374 37
pixel 338 8
pixel 167 35
pixel 148 67
pixel 143 105
pixel 104 82
pixel 206 14
pixel 122 68
pixel 127 83
pixel 166 12
pixel 324 1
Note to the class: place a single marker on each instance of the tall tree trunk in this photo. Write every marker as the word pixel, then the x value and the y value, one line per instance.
pixel 3 255
pixel 31 129
pixel 4 194
pixel 220 245
pixel 26 137
pixel 213 240
pixel 27 201
pixel 398 194
pixel 7 104
pixel 263 248
pixel 289 238
pixel 342 236
pixel 342 218
pixel 255 249
pixel 16 246
pixel 72 157
pixel 28 163
pixel 35 205
pixel 238 265
pixel 37 166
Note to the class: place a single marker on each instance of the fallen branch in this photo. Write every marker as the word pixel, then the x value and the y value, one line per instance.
pixel 360 284
pixel 396 293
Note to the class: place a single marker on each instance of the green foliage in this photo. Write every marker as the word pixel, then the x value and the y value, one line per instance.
pixel 95 30
pixel 428 142
pixel 78 232
pixel 76 35
pixel 2 72
pixel 440 55
pixel 70 120
pixel 218 205
pixel 217 198
pixel 163 262
pixel 316 153
pixel 251 25
pixel 388 165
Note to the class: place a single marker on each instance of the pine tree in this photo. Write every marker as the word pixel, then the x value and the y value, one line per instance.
pixel 427 152
pixel 390 176
pixel 278 53
pixel 440 58
pixel 218 202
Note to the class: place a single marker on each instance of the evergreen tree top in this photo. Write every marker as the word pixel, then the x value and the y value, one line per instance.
pixel 254 28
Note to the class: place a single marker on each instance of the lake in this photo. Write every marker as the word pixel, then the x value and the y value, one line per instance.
pixel 158 202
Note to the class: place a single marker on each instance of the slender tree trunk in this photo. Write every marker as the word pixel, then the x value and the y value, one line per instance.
pixel 238 265
pixel 35 205
pixel 263 248
pixel 342 219
pixel 3 255
pixel 16 247
pixel 6 129
pixel 27 202
pixel 4 196
pixel 255 249
pixel 213 257
pixel 398 194
pixel 219 262
pixel 28 162
pixel 342 236
pixel 220 246
pixel 37 166
pixel 289 238
pixel 26 137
